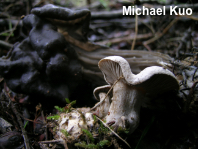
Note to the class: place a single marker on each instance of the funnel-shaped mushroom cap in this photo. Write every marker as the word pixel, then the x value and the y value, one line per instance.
pixel 151 80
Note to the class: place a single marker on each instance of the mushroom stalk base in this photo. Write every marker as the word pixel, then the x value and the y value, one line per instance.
pixel 125 107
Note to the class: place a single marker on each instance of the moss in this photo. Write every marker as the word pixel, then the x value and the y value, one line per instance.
pixel 54 129
pixel 59 108
pixel 103 143
pixel 95 119
pixel 92 146
pixel 67 108
pixel 67 100
pixel 89 134
pixel 122 130
pixel 87 146
pixel 99 145
pixel 65 132
pixel 54 117
pixel 103 129
pixel 82 144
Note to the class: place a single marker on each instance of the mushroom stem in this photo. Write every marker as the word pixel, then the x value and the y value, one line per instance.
pixel 107 93
pixel 125 107
pixel 102 110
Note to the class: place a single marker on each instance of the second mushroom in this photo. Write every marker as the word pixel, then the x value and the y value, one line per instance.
pixel 120 106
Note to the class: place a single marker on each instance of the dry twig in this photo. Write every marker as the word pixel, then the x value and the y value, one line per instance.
pixel 136 31
pixel 190 97
pixel 126 38
pixel 25 137
pixel 159 34
pixel 5 45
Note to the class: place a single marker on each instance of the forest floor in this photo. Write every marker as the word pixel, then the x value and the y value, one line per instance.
pixel 172 126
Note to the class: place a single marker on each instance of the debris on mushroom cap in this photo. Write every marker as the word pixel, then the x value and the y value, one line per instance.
pixel 154 78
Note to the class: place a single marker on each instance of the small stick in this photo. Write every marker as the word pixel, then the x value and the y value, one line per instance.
pixel 136 30
pixel 113 131
pixel 44 146
pixel 194 74
pixel 125 38
pixel 159 35
pixel 25 138
pixel 26 141
pixel 51 141
pixel 12 30
pixel 5 45
pixel 33 121
pixel 189 97
pixel 46 134
pixel 190 17
pixel 55 141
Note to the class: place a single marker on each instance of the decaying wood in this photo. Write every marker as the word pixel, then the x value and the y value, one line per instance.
pixel 89 53
pixel 138 60
pixel 125 38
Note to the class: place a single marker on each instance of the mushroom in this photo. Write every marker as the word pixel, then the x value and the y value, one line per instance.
pixel 102 94
pixel 130 90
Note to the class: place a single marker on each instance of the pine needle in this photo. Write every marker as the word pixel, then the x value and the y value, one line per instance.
pixel 113 131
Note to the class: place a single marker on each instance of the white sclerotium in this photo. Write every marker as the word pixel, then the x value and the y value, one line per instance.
pixel 125 107
pixel 102 110
pixel 89 119
pixel 73 122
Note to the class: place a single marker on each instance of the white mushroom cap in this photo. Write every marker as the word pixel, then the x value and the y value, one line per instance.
pixel 104 94
pixel 101 89
pixel 152 79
